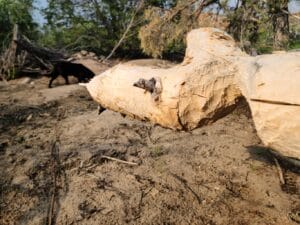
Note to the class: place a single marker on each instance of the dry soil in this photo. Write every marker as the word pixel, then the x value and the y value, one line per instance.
pixel 54 167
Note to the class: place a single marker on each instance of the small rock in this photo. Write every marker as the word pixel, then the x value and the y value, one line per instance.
pixel 25 80
pixel 76 56
pixel 83 52
pixel 29 117
pixel 79 56
pixel 21 180
pixel 92 54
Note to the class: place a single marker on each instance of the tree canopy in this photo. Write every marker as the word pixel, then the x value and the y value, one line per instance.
pixel 20 12
pixel 157 27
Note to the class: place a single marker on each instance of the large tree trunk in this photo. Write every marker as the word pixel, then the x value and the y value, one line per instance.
pixel 206 86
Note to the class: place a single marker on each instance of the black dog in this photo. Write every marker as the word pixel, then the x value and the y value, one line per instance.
pixel 66 69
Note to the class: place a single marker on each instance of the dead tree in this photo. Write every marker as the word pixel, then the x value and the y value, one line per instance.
pixel 26 57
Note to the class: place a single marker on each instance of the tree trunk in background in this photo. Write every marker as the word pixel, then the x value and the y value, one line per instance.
pixel 280 19
pixel 8 58
pixel 244 24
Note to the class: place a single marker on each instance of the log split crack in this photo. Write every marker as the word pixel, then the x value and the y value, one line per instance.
pixel 274 102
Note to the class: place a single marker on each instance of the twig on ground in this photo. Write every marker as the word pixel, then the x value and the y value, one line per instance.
pixel 55 168
pixel 54 171
pixel 280 173
pixel 51 209
pixel 119 160
pixel 185 184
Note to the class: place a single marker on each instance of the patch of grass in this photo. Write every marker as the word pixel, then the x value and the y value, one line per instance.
pixel 254 167
pixel 294 45
pixel 157 151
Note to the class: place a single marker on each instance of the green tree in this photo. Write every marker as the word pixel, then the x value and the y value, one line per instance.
pixel 20 12
pixel 248 24
pixel 263 24
pixel 92 24
pixel 279 14
pixel 259 26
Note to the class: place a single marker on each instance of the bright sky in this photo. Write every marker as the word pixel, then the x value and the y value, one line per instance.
pixel 36 14
pixel 294 6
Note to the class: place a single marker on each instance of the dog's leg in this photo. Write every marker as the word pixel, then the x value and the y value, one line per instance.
pixel 81 78
pixel 53 77
pixel 66 79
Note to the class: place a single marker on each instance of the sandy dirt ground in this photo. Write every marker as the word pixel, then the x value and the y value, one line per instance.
pixel 57 163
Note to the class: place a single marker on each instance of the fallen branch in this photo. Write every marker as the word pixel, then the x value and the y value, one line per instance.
pixel 119 160
pixel 185 184
pixel 44 53
pixel 56 170
pixel 279 170
pixel 54 152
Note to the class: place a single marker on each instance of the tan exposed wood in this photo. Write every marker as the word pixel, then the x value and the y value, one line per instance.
pixel 207 85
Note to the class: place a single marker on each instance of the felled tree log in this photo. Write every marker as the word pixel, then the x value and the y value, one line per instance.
pixel 214 75
pixel 271 84
pixel 192 92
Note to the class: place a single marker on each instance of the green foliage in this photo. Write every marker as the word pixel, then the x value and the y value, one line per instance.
pixel 92 25
pixel 95 25
pixel 166 28
pixel 159 28
pixel 259 26
pixel 16 11
pixel 294 44
pixel 157 151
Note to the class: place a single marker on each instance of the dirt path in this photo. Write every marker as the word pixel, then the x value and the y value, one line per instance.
pixel 213 175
